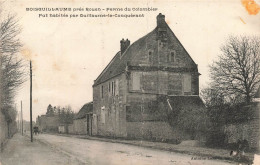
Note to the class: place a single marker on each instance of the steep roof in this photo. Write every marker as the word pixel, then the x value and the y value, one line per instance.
pixel 135 51
pixel 86 109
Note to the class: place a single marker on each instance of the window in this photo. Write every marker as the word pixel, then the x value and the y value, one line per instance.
pixel 116 87
pixel 103 115
pixel 102 91
pixel 171 57
pixel 109 87
pixel 136 81
pixel 187 83
pixel 112 89
pixel 150 57
pixel 128 113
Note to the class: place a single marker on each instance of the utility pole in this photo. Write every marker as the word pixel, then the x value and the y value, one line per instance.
pixel 31 100
pixel 18 119
pixel 18 122
pixel 22 115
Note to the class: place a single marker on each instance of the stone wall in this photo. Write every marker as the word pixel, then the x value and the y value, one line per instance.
pixel 3 130
pixel 115 111
pixel 155 131
pixel 80 126
pixel 7 130
pixel 151 131
pixel 109 107
pixel 243 131
pixel 247 130
pixel 71 129
pixel 151 51
pixel 164 82
pixel 144 107
pixel 49 123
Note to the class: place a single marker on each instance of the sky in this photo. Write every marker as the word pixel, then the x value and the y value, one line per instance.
pixel 68 54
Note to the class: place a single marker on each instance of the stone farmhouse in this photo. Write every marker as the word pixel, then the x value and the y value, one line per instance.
pixel 142 84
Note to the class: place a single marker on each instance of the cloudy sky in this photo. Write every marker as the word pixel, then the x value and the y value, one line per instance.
pixel 69 53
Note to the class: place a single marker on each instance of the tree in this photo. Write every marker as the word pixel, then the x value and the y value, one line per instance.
pixel 50 110
pixel 193 120
pixel 237 71
pixel 58 110
pixel 65 114
pixel 212 97
pixel 12 74
pixel 62 116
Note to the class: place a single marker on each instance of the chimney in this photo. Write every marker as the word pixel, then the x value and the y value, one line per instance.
pixel 161 20
pixel 161 28
pixel 124 45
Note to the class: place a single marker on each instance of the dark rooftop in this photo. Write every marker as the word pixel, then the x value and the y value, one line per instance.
pixel 86 109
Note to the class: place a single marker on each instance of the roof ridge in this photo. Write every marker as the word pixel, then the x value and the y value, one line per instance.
pixel 180 43
pixel 107 66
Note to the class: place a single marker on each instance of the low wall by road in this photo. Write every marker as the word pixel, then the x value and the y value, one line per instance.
pixel 159 131
pixel 3 130
pixel 80 126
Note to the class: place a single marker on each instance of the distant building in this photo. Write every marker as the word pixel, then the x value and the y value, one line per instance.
pixel 82 123
pixel 144 80
pixel 55 117
pixel 48 123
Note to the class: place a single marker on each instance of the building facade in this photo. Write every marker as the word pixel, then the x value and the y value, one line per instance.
pixel 48 123
pixel 130 95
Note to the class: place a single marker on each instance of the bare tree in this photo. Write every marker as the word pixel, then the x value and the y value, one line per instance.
pixel 212 97
pixel 237 70
pixel 12 74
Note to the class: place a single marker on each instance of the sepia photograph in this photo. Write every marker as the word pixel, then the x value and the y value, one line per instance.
pixel 134 82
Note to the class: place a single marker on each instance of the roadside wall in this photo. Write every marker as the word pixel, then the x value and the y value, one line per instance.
pixel 3 130
pixel 243 131
pixel 80 126
pixel 70 129
pixel 248 130
pixel 158 131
